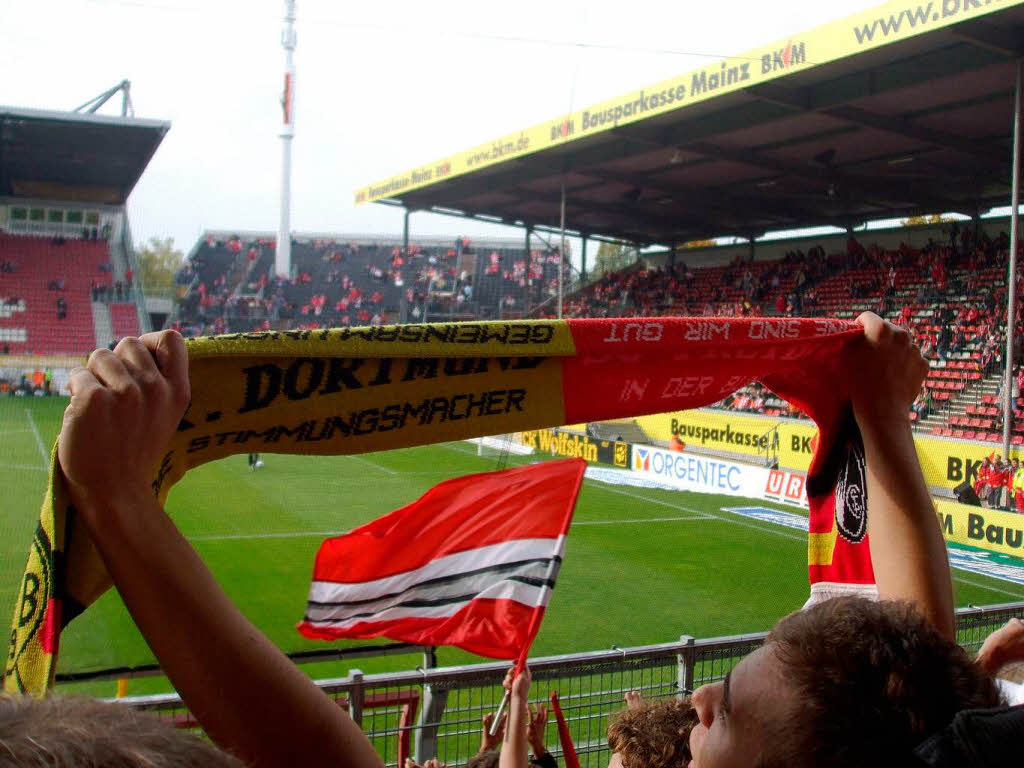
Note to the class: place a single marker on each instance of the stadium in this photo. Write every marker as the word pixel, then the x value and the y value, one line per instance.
pixel 868 165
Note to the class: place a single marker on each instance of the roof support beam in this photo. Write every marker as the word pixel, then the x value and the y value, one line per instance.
pixel 983 35
pixel 710 201
pixel 802 102
pixel 903 191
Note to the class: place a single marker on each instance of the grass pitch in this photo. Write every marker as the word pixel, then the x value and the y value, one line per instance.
pixel 642 566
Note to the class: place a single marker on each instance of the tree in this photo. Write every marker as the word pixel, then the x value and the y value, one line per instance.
pixel 159 261
pixel 611 257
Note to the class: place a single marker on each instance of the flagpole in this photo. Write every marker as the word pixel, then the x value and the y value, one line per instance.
pixel 496 723
pixel 553 567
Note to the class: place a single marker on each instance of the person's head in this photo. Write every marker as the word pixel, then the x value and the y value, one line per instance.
pixel 846 683
pixel 66 732
pixel 655 734
pixel 486 758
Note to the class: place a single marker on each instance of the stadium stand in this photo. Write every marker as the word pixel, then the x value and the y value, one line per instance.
pixel 226 284
pixel 124 320
pixel 957 283
pixel 46 288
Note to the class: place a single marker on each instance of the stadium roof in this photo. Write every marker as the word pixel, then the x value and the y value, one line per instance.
pixel 70 156
pixel 902 109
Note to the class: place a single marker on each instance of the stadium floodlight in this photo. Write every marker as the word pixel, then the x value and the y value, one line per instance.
pixel 283 252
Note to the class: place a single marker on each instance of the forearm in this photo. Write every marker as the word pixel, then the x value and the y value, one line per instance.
pixel 246 694
pixel 514 752
pixel 908 552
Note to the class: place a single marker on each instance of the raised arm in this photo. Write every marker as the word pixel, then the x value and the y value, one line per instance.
pixel 514 752
pixel 249 698
pixel 908 553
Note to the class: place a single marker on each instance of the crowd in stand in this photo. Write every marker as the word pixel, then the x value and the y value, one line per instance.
pixel 228 284
pixel 950 293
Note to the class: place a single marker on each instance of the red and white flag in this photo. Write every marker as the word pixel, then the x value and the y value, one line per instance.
pixel 472 563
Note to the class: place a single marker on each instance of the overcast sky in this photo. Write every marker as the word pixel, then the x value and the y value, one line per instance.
pixel 381 87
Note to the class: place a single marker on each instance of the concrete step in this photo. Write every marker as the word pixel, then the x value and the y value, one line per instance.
pixel 102 328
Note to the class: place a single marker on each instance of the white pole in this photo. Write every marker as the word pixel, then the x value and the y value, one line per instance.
pixel 283 255
pixel 1011 294
pixel 561 255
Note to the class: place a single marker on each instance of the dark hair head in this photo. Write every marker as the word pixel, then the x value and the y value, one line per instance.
pixel 871 680
pixel 66 732
pixel 488 758
pixel 654 735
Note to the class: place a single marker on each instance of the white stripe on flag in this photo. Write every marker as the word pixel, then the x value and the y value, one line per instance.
pixel 526 594
pixel 460 587
pixel 447 565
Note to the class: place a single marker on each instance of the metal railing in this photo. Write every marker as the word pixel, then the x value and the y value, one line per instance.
pixel 437 712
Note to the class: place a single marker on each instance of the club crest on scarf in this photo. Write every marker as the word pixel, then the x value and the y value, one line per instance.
pixel 851 494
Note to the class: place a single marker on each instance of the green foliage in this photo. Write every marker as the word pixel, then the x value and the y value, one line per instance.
pixel 611 257
pixel 159 260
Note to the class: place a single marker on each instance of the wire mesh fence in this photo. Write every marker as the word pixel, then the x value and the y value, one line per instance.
pixel 428 713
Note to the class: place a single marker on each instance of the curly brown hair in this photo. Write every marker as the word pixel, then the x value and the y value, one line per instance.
pixel 654 735
pixel 871 680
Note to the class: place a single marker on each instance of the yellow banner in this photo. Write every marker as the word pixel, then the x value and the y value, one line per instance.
pixel 746 434
pixel 864 31
pixel 946 463
pixel 989 529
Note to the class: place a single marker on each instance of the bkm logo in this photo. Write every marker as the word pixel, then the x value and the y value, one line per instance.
pixel 563 129
pixel 784 58
pixel 803 444
pixel 958 470
pixel 643 459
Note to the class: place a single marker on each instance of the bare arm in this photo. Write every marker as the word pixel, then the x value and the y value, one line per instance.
pixel 514 752
pixel 247 695
pixel 908 552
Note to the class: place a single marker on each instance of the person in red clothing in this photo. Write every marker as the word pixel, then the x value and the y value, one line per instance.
pixel 675 444
pixel 983 480
pixel 1000 471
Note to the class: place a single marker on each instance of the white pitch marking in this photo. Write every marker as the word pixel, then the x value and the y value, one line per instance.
pixel 961 579
pixel 373 464
pixel 772 531
pixel 284 535
pixel 39 439
pixel 645 520
pixel 31 467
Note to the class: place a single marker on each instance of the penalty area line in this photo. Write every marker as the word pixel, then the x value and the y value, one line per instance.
pixel 39 438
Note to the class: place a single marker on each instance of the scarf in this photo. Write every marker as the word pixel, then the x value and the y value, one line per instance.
pixel 356 390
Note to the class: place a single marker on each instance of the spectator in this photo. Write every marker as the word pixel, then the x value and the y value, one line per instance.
pixel 248 697
pixel 62 308
pixel 67 732
pixel 892 667
pixel 652 734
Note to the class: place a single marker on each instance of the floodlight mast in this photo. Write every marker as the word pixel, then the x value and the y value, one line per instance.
pixel 283 253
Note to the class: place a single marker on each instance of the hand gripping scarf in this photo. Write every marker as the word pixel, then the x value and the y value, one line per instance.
pixel 354 390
